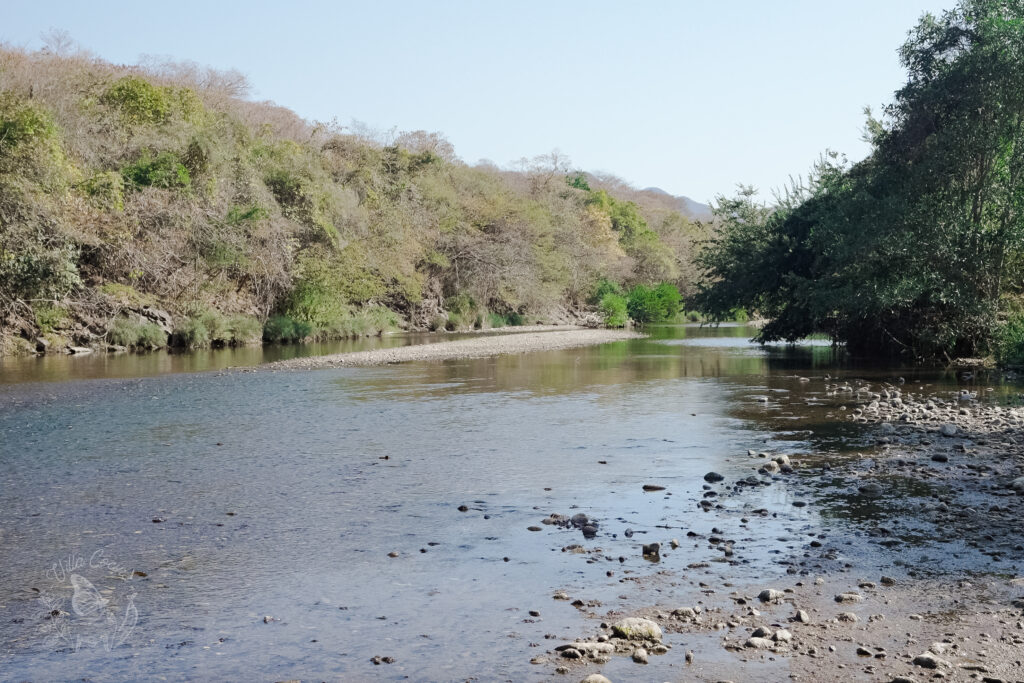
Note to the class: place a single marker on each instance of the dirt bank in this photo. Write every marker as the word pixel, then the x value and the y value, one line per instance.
pixel 464 348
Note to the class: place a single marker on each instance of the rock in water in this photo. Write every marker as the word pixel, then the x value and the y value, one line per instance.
pixel 712 477
pixel 640 656
pixel 948 429
pixel 770 595
pixel 849 597
pixel 653 487
pixel 637 628
pixel 652 550
pixel 595 678
pixel 1018 485
pixel 871 490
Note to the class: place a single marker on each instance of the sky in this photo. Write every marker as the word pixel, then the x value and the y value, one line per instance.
pixel 690 96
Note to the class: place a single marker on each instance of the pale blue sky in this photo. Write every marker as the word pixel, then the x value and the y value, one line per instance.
pixel 690 96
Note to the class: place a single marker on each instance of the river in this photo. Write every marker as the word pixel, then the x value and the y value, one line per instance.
pixel 237 525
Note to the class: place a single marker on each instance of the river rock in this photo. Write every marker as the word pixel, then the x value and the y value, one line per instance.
pixel 652 550
pixel 637 628
pixel 1018 485
pixel 771 467
pixel 640 655
pixel 595 678
pixel 79 350
pixel 782 636
pixel 929 661
pixel 713 477
pixel 849 597
pixel 948 429
pixel 653 487
pixel 770 595
pixel 870 489
pixel 802 616
pixel 758 643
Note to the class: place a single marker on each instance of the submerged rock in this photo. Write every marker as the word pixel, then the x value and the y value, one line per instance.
pixel 712 477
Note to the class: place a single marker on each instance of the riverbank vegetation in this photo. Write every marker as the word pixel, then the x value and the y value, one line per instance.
pixel 919 249
pixel 155 204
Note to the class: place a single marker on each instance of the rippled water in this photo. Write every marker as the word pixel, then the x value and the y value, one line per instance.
pixel 280 494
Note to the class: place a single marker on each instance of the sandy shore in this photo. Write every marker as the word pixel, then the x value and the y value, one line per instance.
pixel 463 348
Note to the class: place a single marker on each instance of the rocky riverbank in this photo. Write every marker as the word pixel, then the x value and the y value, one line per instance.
pixel 482 347
pixel 929 587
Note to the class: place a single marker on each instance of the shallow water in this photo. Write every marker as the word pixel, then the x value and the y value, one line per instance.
pixel 280 494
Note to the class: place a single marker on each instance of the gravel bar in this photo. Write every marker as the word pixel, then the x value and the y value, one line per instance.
pixel 462 348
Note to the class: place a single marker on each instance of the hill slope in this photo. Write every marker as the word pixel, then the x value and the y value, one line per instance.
pixel 141 203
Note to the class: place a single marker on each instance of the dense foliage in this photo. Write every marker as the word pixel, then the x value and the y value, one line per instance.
pixel 918 248
pixel 129 189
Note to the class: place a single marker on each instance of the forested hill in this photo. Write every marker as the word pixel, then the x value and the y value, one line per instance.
pixel 137 202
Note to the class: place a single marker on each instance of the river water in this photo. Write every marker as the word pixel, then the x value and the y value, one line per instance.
pixel 230 525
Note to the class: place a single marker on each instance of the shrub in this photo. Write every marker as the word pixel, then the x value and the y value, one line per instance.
pixel 1009 344
pixel 106 190
pixel 605 286
pixel 694 316
pixel 614 310
pixel 244 330
pixel 136 334
pixel 138 100
pixel 164 170
pixel 22 123
pixel 191 333
pixel 646 305
pixel 740 315
pixel 282 329
pixel 50 317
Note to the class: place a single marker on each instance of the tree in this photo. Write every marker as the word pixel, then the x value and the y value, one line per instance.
pixel 911 249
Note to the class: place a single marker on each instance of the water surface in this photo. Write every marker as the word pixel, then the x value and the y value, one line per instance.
pixel 281 494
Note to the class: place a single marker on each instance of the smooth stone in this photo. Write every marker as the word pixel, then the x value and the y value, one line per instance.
pixel 640 656
pixel 849 597
pixel 770 595
pixel 595 678
pixel 948 429
pixel 929 661
pixel 713 477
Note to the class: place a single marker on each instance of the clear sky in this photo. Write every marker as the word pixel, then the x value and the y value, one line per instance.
pixel 690 96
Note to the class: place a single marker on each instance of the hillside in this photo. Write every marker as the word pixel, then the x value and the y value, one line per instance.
pixel 139 205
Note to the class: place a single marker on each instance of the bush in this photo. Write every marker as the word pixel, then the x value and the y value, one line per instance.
pixel 138 100
pixel 136 334
pixel 50 317
pixel 1009 344
pixel 281 329
pixel 106 190
pixel 646 305
pixel 604 287
pixel 22 123
pixel 614 310
pixel 164 170
pixel 244 330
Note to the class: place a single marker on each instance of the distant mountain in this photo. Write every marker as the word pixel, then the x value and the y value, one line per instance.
pixel 686 206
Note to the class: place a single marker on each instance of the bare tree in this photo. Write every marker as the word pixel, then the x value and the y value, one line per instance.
pixel 57 41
